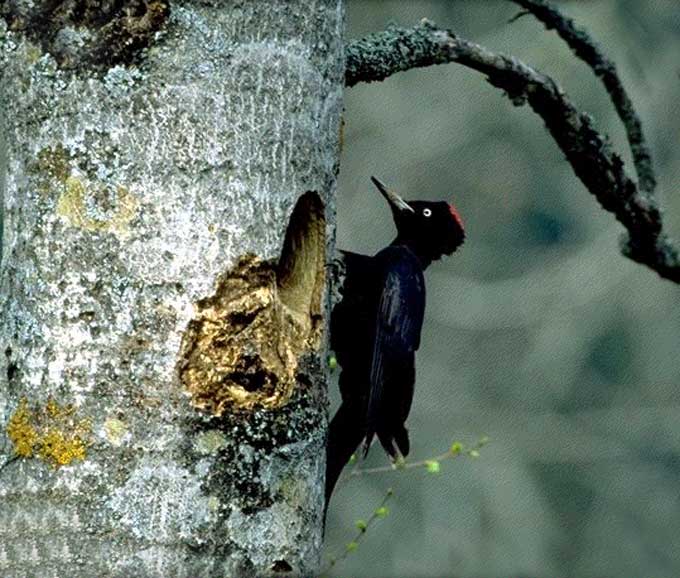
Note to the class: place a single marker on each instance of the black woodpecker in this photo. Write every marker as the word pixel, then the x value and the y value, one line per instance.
pixel 375 329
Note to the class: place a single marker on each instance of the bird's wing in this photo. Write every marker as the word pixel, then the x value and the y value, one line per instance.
pixel 399 319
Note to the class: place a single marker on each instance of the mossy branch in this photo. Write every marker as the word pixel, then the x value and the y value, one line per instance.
pixel 601 170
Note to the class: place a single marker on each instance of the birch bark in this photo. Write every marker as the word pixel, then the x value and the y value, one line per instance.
pixel 166 225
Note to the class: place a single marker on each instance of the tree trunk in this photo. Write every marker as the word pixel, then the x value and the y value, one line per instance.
pixel 162 385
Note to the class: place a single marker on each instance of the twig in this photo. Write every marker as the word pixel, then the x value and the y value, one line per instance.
pixel 432 466
pixel 362 527
pixel 380 55
pixel 585 48
pixel 456 450
pixel 519 15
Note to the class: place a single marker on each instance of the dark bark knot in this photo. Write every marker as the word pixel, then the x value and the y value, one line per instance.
pixel 242 348
pixel 12 366
pixel 88 33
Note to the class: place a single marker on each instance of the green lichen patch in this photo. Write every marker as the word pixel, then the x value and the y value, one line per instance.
pixel 84 202
pixel 115 431
pixel 53 433
pixel 209 442
pixel 293 491
pixel 87 207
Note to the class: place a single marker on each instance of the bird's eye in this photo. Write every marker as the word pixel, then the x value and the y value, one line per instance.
pixel 427 212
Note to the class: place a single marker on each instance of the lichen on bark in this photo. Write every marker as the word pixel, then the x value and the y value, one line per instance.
pixel 54 434
pixel 132 192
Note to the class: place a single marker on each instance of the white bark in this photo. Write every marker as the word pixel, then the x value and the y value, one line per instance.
pixel 131 198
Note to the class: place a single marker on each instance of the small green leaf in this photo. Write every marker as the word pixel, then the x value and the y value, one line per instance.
pixel 432 466
pixel 352 459
pixel 456 448
pixel 351 546
pixel 382 511
pixel 361 525
pixel 332 362
pixel 399 463
pixel 473 453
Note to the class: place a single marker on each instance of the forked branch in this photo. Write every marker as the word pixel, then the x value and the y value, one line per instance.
pixel 601 170
pixel 585 48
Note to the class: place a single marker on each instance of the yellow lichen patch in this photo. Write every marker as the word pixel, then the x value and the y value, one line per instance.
pixel 52 433
pixel 21 432
pixel 61 449
pixel 242 348
pixel 73 205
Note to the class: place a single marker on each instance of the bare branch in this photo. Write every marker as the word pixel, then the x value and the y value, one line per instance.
pixel 430 464
pixel 585 48
pixel 380 55
pixel 519 15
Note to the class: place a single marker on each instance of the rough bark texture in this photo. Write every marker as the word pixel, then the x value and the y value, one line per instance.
pixel 162 391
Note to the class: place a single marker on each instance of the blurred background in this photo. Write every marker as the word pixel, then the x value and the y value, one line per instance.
pixel 538 333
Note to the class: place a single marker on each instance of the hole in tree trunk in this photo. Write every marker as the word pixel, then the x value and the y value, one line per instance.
pixel 242 349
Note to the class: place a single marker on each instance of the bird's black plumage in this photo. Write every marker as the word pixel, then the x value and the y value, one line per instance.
pixel 375 330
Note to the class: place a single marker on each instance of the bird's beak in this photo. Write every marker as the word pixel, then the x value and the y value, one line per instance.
pixel 395 201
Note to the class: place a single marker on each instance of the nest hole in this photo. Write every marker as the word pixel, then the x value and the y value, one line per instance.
pixel 241 350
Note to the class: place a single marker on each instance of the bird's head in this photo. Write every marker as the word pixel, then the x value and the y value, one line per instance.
pixel 430 228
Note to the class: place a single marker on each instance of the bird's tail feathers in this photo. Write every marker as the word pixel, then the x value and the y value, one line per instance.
pixel 402 441
pixel 394 441
pixel 345 433
pixel 367 443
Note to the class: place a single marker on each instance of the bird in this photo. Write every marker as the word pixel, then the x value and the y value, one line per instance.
pixel 375 329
